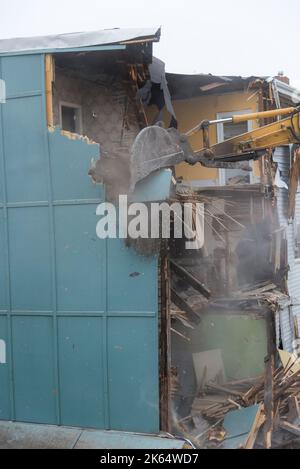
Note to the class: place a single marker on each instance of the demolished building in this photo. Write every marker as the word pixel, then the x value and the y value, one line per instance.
pixel 248 264
pixel 99 333
pixel 74 309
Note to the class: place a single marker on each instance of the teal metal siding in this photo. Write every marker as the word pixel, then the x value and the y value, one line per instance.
pixel 4 375
pixel 131 371
pixel 33 366
pixel 81 371
pixel 81 331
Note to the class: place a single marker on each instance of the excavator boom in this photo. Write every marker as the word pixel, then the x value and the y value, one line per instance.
pixel 156 147
pixel 281 132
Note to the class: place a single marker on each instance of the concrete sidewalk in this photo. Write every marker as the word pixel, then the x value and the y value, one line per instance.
pixel 30 436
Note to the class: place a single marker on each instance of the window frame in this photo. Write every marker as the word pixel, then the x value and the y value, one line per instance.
pixel 220 139
pixel 78 107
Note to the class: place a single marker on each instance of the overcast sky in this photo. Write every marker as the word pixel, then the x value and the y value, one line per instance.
pixel 224 37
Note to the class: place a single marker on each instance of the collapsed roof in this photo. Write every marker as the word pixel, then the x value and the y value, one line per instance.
pixel 187 86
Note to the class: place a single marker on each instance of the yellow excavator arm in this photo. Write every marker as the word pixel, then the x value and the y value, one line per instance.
pixel 156 147
pixel 254 143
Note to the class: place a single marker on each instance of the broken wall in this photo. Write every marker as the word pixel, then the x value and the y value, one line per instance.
pixel 109 117
pixel 229 341
pixel 105 107
pixel 224 346
pixel 240 339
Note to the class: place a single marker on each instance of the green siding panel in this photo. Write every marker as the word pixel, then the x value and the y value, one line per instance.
pixel 30 259
pixel 24 149
pixel 81 371
pixel 80 259
pixel 82 312
pixel 22 74
pixel 242 340
pixel 3 265
pixel 132 365
pixel 5 402
pixel 70 162
pixel 2 172
pixel 132 279
pixel 33 369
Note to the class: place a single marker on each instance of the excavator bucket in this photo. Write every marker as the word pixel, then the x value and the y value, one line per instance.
pixel 154 148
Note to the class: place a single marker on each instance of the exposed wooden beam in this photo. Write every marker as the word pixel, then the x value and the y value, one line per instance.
pixel 190 278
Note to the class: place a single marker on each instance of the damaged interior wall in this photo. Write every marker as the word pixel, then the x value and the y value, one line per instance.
pixel 104 93
pixel 223 347
pixel 105 105
pixel 219 327
pixel 241 338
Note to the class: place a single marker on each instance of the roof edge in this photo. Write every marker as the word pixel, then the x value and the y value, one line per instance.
pixel 79 40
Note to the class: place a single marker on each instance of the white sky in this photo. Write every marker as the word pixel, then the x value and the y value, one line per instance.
pixel 224 37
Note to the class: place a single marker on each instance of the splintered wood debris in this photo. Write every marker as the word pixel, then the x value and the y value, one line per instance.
pixel 182 317
pixel 264 294
pixel 218 401
pixel 212 209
